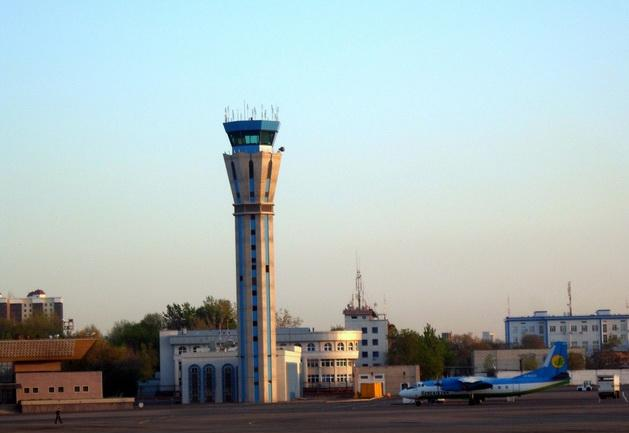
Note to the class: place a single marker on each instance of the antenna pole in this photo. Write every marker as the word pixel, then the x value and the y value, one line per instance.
pixel 569 298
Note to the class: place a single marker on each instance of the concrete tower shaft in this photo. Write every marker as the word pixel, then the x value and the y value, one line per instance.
pixel 253 168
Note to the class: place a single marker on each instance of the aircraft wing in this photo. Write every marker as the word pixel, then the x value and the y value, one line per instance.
pixel 474 383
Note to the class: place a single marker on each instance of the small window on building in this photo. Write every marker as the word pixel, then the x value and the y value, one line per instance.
pixel 310 347
pixel 327 347
pixel 374 330
pixel 364 342
pixel 364 330
pixel 77 389
pixel 254 323
pixel 340 346
pixel 51 389
pixel 553 328
pixel 364 354
pixel 376 354
pixel 27 390
pixel 255 338
pixel 350 345
pixel 35 390
pixel 86 388
pixel 60 389
pixel 374 341
pixel 254 308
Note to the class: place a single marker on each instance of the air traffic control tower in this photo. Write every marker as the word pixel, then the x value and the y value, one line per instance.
pixel 252 168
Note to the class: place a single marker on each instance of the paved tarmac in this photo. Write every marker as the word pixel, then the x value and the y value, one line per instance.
pixel 554 411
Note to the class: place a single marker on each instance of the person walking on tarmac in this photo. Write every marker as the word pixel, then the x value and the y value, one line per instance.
pixel 58 417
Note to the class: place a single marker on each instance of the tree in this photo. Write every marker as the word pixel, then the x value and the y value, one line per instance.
pixel 179 316
pixel 531 341
pixel 528 362
pixel 576 361
pixel 408 347
pixel 284 319
pixel 490 365
pixel 215 314
pixel 121 367
pixel 36 326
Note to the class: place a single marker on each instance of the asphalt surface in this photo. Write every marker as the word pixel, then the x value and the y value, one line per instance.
pixel 553 411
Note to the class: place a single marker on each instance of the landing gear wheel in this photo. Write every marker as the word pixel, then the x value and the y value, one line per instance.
pixel 418 402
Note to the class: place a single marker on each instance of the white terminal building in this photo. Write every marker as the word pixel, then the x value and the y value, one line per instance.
pixel 202 365
pixel 588 332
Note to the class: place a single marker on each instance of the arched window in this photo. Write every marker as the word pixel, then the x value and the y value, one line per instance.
pixel 209 383
pixel 350 345
pixel 229 384
pixel 194 383
pixel 340 346
pixel 310 347
pixel 327 347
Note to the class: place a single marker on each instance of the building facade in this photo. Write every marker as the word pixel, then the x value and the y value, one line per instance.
pixel 359 316
pixel 252 169
pixel 36 302
pixel 325 360
pixel 589 332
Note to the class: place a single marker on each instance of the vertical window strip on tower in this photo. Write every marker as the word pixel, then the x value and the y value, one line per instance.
pixel 267 187
pixel 235 182
pixel 242 307
pixel 254 302
pixel 252 193
pixel 267 258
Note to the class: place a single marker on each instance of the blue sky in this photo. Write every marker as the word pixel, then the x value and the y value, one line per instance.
pixel 468 152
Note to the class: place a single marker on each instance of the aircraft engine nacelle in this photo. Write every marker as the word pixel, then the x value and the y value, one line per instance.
pixel 451 385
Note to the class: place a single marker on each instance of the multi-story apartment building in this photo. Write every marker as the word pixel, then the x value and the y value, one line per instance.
pixel 36 302
pixel 589 332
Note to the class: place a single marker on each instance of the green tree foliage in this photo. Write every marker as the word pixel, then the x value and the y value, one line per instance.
pixel 215 314
pixel 408 347
pixel 36 326
pixel 179 316
pixel 135 335
pixel 576 361
pixel 531 341
pixel 284 319
pixel 212 314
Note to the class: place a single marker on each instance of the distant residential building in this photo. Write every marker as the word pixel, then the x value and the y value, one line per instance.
pixel 589 332
pixel 36 302
pixel 373 346
pixel 488 337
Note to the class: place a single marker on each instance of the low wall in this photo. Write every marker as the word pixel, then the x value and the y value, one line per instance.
pixel 577 377
pixel 87 405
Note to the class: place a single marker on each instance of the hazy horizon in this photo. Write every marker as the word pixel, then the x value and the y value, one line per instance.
pixel 466 154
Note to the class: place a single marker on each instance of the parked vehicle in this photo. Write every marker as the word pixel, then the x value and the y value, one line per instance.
pixel 585 386
pixel 609 386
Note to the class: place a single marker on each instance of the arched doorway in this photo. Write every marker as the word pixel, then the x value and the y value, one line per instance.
pixel 209 384
pixel 229 384
pixel 194 382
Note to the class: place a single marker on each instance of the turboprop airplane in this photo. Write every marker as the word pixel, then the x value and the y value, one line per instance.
pixel 553 373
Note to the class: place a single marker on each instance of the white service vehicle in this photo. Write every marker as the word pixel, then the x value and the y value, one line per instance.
pixel 609 386
pixel 585 386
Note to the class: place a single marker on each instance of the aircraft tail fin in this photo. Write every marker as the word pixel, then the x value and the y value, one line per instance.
pixel 555 365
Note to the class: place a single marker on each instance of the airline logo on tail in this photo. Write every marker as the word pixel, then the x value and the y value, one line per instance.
pixel 558 361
